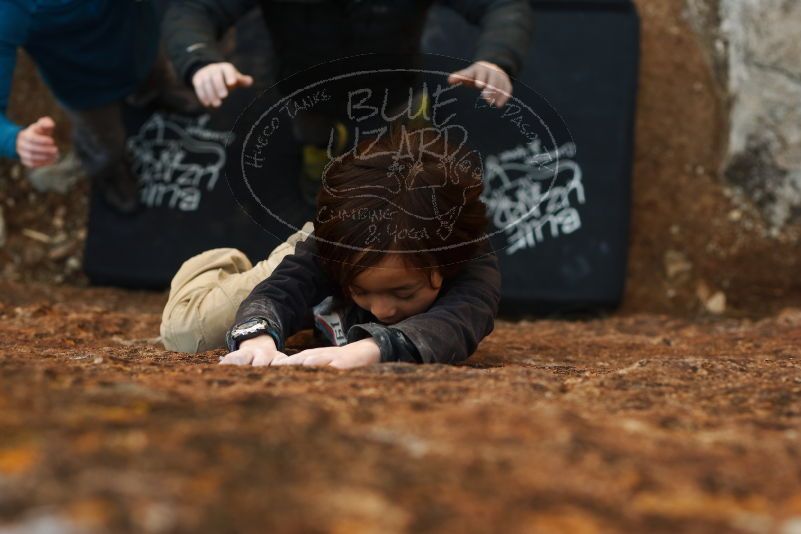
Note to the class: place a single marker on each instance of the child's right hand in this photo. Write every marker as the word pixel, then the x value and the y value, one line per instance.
pixel 213 82
pixel 258 351
pixel 35 144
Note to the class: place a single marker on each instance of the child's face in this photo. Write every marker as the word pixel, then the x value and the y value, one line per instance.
pixel 391 291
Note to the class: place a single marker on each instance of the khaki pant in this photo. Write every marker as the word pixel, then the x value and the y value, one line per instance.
pixel 207 290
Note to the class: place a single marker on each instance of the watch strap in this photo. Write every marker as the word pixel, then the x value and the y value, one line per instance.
pixel 233 343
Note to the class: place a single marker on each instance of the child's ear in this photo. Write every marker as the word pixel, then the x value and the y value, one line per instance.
pixel 435 279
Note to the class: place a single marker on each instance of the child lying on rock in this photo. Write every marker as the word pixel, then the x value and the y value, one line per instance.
pixel 396 267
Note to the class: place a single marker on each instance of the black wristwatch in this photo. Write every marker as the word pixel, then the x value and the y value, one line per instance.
pixel 258 326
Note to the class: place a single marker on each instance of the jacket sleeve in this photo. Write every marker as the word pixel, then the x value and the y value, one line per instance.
pixel 192 28
pixel 451 329
pixel 10 28
pixel 506 28
pixel 286 297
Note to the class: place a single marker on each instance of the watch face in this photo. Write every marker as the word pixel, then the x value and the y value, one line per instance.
pixel 248 327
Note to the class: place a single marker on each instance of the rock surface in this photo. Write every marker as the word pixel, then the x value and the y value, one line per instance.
pixel 625 424
pixel 2 228
pixel 756 47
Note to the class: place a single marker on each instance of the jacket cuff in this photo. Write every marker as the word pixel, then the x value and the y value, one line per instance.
pixel 8 140
pixel 199 59
pixel 503 59
pixel 392 343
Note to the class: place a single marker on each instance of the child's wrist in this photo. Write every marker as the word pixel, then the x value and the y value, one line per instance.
pixel 367 347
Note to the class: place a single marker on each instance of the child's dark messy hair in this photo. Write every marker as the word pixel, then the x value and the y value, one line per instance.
pixel 408 192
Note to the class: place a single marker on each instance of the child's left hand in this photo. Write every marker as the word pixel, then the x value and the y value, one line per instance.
pixel 356 354
pixel 494 83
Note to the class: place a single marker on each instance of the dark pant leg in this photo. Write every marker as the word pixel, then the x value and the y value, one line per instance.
pixel 100 142
pixel 164 91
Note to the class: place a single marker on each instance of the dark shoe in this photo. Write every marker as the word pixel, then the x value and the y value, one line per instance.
pixel 122 195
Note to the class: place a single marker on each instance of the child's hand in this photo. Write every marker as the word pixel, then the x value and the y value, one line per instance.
pixel 356 354
pixel 259 351
pixel 494 83
pixel 213 82
pixel 35 144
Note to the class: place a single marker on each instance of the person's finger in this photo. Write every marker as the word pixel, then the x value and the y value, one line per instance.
pixel 36 139
pixel 230 73
pixel 45 126
pixel 218 84
pixel 202 87
pixel 314 350
pixel 200 91
pixel 279 357
pixel 262 359
pixel 480 77
pixel 502 98
pixel 39 150
pixel 341 364
pixel 36 161
pixel 319 359
pixel 295 359
pixel 346 363
pixel 239 357
pixel 504 89
pixel 244 80
pixel 208 84
pixel 491 92
pixel 501 81
pixel 40 142
pixel 462 77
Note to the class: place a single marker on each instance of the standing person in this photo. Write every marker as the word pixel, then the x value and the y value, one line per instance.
pixel 92 54
pixel 310 33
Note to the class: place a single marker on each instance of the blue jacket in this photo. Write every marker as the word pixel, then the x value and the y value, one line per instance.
pixel 89 52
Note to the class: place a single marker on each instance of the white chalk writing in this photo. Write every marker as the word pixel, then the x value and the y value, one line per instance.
pixel 531 194
pixel 177 159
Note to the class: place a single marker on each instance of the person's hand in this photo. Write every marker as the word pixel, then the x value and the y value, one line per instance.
pixel 356 354
pixel 35 144
pixel 494 83
pixel 213 82
pixel 258 351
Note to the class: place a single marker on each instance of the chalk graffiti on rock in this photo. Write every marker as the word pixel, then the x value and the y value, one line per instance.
pixel 177 159
pixel 533 194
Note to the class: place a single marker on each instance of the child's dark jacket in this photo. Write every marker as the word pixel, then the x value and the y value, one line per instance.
pixel 448 332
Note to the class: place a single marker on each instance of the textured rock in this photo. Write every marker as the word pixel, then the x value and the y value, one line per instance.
pixel 634 423
pixel 757 53
pixel 2 228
